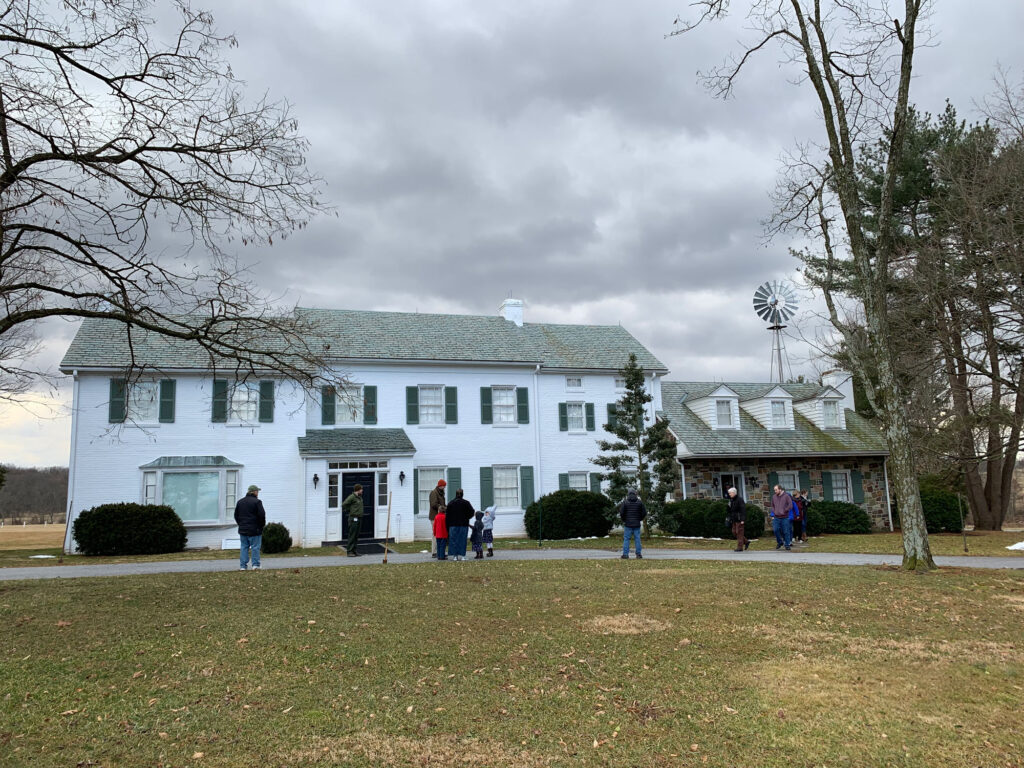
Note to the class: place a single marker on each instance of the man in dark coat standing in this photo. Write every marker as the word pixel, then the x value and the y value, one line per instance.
pixel 457 516
pixel 352 506
pixel 632 511
pixel 738 519
pixel 251 519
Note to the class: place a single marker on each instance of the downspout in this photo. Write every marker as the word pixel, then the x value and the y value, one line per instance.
pixel 539 477
pixel 71 461
pixel 888 501
pixel 682 472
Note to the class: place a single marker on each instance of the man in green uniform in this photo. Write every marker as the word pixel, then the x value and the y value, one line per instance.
pixel 353 507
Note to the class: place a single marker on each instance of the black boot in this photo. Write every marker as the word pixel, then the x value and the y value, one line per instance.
pixel 490 553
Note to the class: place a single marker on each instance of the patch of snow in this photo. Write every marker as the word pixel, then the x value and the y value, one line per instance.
pixel 1018 545
pixel 698 538
pixel 41 557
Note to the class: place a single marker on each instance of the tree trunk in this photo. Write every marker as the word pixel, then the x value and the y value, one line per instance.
pixel 917 555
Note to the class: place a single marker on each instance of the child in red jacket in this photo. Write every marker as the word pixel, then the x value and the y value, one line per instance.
pixel 441 534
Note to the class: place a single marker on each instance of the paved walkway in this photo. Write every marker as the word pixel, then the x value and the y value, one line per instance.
pixel 327 561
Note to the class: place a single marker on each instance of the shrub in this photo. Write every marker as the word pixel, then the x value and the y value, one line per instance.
pixel 754 529
pixel 569 514
pixel 843 517
pixel 941 510
pixel 276 538
pixel 715 526
pixel 814 520
pixel 684 518
pixel 129 529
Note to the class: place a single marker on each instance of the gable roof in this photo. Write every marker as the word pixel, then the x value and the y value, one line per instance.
pixel 861 436
pixel 403 336
pixel 357 441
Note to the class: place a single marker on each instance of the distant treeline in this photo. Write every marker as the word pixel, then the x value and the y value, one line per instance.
pixel 33 495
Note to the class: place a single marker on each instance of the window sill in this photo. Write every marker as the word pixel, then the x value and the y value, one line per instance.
pixel 245 426
pixel 505 426
pixel 208 524
pixel 431 426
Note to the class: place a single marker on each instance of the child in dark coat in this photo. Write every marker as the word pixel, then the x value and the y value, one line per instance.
pixel 477 537
pixel 441 534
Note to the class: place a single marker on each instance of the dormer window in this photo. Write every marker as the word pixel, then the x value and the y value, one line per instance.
pixel 723 413
pixel 574 383
pixel 831 414
pixel 779 420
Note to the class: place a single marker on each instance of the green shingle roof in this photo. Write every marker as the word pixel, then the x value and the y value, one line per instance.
pixel 165 462
pixel 355 334
pixel 356 441
pixel 861 436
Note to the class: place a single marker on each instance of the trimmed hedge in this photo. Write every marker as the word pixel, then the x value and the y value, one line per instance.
pixel 705 518
pixel 569 514
pixel 129 529
pixel 941 510
pixel 276 538
pixel 842 517
pixel 814 520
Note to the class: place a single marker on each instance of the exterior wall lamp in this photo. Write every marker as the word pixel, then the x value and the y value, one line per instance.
pixel 401 477
pixel 316 479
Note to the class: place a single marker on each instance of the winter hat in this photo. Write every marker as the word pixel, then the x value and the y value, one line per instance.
pixel 442 483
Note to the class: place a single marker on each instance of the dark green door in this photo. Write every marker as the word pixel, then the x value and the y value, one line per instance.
pixel 365 479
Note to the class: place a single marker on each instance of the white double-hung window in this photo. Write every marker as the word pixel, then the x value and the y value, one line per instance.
pixel 579 481
pixel 841 486
pixel 779 420
pixel 143 402
pixel 432 404
pixel 503 403
pixel 244 406
pixel 831 409
pixel 576 415
pixel 506 487
pixel 723 413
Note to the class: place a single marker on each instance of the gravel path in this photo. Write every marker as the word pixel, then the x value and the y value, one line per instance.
pixel 278 563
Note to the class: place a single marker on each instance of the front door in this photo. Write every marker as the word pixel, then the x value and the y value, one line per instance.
pixel 731 480
pixel 365 479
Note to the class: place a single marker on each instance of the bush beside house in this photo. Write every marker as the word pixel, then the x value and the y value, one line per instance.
pixel 841 517
pixel 941 510
pixel 705 518
pixel 129 529
pixel 276 538
pixel 569 514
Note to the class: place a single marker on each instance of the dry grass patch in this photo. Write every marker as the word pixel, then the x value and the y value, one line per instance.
pixel 31 536
pixel 369 748
pixel 624 624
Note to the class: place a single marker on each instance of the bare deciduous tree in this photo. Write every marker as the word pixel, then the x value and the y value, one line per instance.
pixel 857 58
pixel 114 143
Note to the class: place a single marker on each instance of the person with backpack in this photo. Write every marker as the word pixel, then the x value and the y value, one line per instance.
pixel 632 511
pixel 800 517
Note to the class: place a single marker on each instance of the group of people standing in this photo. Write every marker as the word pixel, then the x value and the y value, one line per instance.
pixel 455 523
pixel 788 515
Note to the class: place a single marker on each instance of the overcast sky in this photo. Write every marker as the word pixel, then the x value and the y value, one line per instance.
pixel 559 151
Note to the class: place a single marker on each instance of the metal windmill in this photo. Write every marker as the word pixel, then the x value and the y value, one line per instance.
pixel 775 301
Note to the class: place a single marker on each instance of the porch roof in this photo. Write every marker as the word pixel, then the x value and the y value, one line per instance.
pixel 356 441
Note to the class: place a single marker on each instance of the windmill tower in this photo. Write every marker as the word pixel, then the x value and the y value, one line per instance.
pixel 775 302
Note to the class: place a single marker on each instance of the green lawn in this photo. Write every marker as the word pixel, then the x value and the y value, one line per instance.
pixel 518 664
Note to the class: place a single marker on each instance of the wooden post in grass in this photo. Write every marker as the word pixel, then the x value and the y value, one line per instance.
pixel 963 533
pixel 387 532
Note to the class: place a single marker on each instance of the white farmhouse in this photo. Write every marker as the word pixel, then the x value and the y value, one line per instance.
pixel 504 409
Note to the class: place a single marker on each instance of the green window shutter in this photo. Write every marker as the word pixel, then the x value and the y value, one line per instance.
pixel 328 405
pixel 454 481
pixel 591 422
pixel 826 485
pixel 486 408
pixel 412 405
pixel 416 494
pixel 523 405
pixel 563 417
pixel 370 405
pixel 857 486
pixel 220 401
pixel 773 480
pixel 595 482
pixel 563 481
pixel 167 387
pixel 451 405
pixel 486 487
pixel 805 482
pixel 266 402
pixel 118 401
pixel 526 486
pixel 612 411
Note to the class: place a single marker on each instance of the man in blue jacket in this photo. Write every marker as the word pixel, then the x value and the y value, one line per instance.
pixel 632 511
pixel 251 519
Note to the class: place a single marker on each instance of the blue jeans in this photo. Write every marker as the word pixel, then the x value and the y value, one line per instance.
pixel 253 542
pixel 457 535
pixel 442 544
pixel 783 528
pixel 633 533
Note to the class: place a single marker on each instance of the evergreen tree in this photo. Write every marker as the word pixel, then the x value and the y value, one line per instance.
pixel 643 455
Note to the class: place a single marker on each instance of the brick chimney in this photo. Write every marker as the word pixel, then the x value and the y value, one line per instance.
pixel 512 310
